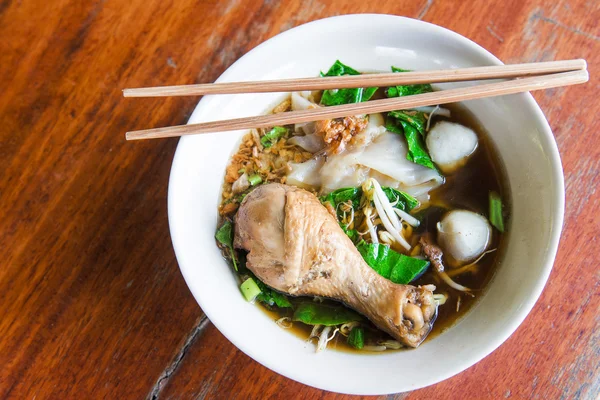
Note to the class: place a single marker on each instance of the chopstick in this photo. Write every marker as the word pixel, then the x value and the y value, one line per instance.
pixel 369 107
pixel 353 81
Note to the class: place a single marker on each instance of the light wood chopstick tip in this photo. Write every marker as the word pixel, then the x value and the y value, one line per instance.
pixel 133 135
pixel 583 63
pixel 581 76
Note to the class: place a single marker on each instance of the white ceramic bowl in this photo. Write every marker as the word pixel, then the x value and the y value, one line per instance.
pixel 369 42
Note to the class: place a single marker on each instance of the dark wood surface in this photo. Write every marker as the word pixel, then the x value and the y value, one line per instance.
pixel 93 303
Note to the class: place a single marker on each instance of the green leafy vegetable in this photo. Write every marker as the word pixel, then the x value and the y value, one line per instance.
pixel 274 298
pixel 407 90
pixel 345 96
pixel 342 196
pixel 356 338
pixel 271 137
pixel 250 289
pixel 496 217
pixel 392 265
pixel 338 69
pixel 254 179
pixel 351 233
pixel 335 198
pixel 269 296
pixel 312 313
pixel 405 201
pixel 416 119
pixel 412 125
pixel 224 236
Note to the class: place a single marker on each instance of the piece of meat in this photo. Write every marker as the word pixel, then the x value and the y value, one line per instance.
pixel 297 247
pixel 339 131
pixel 433 253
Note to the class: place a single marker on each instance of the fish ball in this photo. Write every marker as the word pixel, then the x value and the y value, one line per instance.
pixel 450 145
pixel 464 236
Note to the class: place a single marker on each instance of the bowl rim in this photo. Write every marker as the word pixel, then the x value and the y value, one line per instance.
pixel 557 212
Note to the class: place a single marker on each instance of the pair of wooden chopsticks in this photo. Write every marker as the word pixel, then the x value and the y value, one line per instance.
pixel 532 76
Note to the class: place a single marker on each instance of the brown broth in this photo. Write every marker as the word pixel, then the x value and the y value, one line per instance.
pixel 467 188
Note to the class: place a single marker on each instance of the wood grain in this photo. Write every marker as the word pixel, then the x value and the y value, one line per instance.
pixel 93 302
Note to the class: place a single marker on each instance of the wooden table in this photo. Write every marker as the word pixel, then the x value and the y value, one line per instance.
pixel 93 303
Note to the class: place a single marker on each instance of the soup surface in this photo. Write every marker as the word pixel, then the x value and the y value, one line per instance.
pixel 305 155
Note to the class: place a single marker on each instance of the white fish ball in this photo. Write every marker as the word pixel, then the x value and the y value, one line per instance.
pixel 450 145
pixel 464 236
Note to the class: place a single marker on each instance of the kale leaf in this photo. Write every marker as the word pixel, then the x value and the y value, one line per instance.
pixel 270 296
pixel 343 195
pixel 356 338
pixel 407 90
pixel 405 201
pixel 390 264
pixel 345 96
pixel 411 124
pixel 313 313
pixel 224 236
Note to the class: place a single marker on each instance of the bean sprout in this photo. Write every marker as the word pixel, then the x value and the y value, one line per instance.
pixel 444 112
pixel 351 218
pixel 324 338
pixel 453 284
pixel 322 344
pixel 389 219
pixel 284 322
pixel 386 237
pixel 407 217
pixel 372 230
pixel 347 327
pixel 374 348
pixel 315 332
pixel 431 117
pixel 378 194
pixel 390 344
pixel 468 267
pixel 389 227
pixel 440 298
